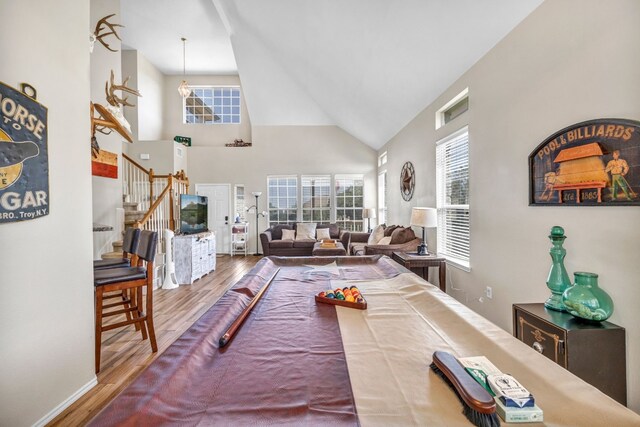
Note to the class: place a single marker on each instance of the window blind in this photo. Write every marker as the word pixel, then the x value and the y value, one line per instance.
pixel 452 197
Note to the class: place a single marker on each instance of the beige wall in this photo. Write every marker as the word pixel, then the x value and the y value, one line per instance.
pixel 46 309
pixel 150 106
pixel 164 157
pixel 283 150
pixel 569 61
pixel 201 134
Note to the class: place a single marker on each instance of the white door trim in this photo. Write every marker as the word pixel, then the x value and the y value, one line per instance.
pixel 230 201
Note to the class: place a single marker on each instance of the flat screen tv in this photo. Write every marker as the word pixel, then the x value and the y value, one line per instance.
pixel 193 214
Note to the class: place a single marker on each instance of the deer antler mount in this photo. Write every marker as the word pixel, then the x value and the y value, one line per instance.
pixel 103 29
pixel 110 89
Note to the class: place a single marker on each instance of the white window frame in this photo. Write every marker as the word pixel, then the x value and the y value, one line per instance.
pixel 441 113
pixel 240 201
pixel 382 159
pixel 314 208
pixel 221 112
pixel 278 208
pixel 382 197
pixel 454 236
pixel 357 223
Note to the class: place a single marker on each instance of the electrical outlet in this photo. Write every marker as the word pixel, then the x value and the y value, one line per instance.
pixel 488 292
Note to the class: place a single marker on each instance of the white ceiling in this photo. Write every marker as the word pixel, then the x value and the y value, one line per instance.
pixel 367 66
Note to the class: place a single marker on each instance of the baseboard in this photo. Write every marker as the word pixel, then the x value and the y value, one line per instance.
pixel 64 405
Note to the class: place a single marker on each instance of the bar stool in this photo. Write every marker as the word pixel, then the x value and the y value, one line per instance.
pixel 133 278
pixel 129 245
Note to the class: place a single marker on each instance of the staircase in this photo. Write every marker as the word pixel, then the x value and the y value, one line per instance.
pixel 132 214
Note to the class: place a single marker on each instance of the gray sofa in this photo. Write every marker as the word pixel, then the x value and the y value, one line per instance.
pixel 407 242
pixel 272 243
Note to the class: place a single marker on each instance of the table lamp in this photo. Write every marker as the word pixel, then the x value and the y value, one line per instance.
pixel 425 218
pixel 369 213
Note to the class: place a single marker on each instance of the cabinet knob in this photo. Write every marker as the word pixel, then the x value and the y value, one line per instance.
pixel 538 347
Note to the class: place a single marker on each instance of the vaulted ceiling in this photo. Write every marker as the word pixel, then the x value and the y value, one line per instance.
pixel 367 66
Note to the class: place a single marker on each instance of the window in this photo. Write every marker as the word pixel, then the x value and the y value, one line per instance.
pixel 212 105
pixel 382 159
pixel 240 205
pixel 452 197
pixel 282 193
pixel 349 201
pixel 452 109
pixel 316 199
pixel 382 198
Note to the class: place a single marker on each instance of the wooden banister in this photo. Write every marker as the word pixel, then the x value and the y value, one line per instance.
pixel 154 206
pixel 133 162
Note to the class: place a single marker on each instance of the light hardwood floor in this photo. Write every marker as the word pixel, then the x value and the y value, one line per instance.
pixel 125 355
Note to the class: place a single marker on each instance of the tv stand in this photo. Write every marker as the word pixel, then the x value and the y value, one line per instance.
pixel 195 256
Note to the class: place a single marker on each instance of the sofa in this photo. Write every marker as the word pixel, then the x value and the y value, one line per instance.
pixel 400 239
pixel 273 244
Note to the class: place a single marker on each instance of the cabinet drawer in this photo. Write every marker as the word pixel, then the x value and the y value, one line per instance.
pixel 544 337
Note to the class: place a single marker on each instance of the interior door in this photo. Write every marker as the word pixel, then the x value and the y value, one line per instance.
pixel 218 212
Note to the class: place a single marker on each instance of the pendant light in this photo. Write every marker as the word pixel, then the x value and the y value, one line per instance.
pixel 184 90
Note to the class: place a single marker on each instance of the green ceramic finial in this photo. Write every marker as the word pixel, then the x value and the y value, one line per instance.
pixel 558 279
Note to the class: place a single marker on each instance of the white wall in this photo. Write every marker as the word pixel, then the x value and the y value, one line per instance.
pixel 46 309
pixel 129 60
pixel 569 61
pixel 151 104
pixel 107 192
pixel 163 156
pixel 282 150
pixel 201 134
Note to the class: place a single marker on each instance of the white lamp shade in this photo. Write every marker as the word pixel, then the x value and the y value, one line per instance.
pixel 424 217
pixel 369 213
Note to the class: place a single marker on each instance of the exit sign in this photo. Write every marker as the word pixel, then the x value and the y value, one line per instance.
pixel 183 140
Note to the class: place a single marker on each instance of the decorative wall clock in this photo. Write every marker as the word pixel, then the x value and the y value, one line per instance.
pixel 407 181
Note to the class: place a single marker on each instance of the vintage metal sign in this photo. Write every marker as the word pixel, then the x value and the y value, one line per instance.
pixel 595 163
pixel 24 162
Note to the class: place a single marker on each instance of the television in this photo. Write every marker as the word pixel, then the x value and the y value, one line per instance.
pixel 193 214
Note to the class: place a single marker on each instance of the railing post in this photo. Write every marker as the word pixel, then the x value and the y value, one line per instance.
pixel 150 187
pixel 172 222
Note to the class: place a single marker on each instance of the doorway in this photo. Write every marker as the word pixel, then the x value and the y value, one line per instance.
pixel 218 212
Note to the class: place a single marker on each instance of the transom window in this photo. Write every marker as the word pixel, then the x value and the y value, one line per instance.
pixel 349 201
pixel 282 193
pixel 452 197
pixel 212 105
pixel 316 199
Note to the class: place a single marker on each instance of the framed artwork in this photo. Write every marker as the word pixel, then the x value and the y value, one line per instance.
pixel 24 156
pixel 407 181
pixel 594 163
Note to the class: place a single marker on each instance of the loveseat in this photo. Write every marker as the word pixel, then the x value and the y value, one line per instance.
pixel 273 244
pixel 397 239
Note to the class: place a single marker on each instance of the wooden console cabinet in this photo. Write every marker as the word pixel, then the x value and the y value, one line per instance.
pixel 194 255
pixel 593 351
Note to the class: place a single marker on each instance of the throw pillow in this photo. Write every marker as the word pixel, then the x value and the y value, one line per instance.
pixel 276 230
pixel 389 230
pixel 385 241
pixel 376 235
pixel 322 234
pixel 288 234
pixel 402 235
pixel 306 231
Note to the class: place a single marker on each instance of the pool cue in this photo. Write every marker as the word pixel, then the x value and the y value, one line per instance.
pixel 224 339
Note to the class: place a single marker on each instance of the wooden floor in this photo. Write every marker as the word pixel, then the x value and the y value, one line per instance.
pixel 125 355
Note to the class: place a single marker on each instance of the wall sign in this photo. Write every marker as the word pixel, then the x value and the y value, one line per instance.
pixel 24 160
pixel 407 181
pixel 105 164
pixel 594 163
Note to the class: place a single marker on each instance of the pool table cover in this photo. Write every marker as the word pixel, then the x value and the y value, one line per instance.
pixel 298 362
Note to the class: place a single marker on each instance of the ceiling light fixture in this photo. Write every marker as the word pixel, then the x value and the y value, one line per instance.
pixel 184 90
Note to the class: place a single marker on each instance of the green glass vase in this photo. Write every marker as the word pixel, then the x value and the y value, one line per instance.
pixel 558 279
pixel 586 300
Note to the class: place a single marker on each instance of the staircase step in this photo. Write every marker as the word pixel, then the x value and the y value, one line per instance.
pixel 132 206
pixel 117 246
pixel 112 255
pixel 133 215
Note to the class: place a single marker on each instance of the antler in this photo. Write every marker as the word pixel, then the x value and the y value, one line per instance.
pixel 104 21
pixel 110 88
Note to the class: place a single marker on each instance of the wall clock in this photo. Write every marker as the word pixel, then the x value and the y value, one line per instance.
pixel 407 181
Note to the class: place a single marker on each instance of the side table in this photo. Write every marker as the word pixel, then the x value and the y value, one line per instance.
pixel 420 264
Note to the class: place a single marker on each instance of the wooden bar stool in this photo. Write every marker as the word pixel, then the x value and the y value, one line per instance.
pixel 134 279
pixel 129 246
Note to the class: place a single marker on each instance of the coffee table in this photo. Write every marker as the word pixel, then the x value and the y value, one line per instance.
pixel 338 250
